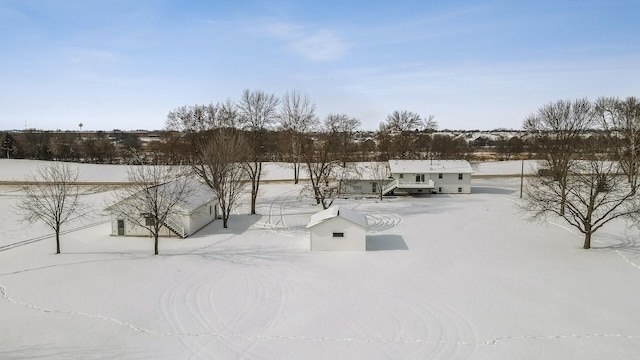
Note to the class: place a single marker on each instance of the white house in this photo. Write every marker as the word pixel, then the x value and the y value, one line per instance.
pixel 429 176
pixel 338 229
pixel 191 215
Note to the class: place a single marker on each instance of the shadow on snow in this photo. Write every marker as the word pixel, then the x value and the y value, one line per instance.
pixel 385 243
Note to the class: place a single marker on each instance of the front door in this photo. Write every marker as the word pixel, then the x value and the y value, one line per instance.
pixel 120 227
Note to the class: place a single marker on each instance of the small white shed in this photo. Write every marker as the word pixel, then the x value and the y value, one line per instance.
pixel 338 229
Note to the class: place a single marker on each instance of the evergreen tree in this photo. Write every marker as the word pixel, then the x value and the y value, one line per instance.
pixel 7 145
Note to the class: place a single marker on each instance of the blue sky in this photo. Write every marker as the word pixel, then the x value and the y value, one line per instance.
pixel 473 64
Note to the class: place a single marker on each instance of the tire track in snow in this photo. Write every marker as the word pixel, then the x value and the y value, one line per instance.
pixel 368 306
pixel 493 342
pixel 190 302
pixel 173 300
pixel 627 260
pixel 198 310
pixel 382 221
pixel 436 319
pixel 277 206
pixel 282 221
pixel 168 312
pixel 276 218
pixel 284 298
pixel 239 312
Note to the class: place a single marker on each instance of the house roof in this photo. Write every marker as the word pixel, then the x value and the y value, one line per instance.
pixel 199 194
pixel 337 211
pixel 363 171
pixel 430 166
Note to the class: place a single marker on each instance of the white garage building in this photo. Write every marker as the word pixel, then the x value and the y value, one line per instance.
pixel 189 216
pixel 338 229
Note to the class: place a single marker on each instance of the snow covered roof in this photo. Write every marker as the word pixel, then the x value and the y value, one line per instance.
pixel 199 193
pixel 429 166
pixel 372 170
pixel 337 211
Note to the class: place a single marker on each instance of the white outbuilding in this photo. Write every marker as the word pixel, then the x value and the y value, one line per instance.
pixel 338 229
pixel 187 217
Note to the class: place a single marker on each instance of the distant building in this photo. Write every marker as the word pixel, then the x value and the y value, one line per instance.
pixel 408 177
pixel 429 176
pixel 338 229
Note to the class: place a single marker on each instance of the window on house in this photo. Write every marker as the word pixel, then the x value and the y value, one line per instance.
pixel 422 178
pixel 459 176
pixel 401 176
pixel 459 190
pixel 209 209
pixel 439 189
pixel 440 176
pixel 148 221
pixel 338 234
pixel 374 187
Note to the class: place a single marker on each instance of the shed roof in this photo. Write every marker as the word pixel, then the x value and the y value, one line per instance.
pixel 338 211
pixel 199 194
pixel 430 166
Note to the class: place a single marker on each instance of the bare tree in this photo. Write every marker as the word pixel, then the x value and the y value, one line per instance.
pixel 51 197
pixel 559 128
pixel 621 121
pixel 195 122
pixel 403 121
pixel 593 195
pixel 195 118
pixel 220 166
pixel 344 127
pixel 153 198
pixel 319 152
pixel 429 125
pixel 297 116
pixel 446 147
pixel 403 127
pixel 506 148
pixel 228 114
pixel 258 113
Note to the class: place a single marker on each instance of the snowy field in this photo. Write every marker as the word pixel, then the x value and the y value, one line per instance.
pixel 446 277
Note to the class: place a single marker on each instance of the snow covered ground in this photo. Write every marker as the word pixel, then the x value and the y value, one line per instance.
pixel 446 277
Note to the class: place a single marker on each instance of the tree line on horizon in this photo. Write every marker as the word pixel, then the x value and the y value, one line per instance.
pixel 403 134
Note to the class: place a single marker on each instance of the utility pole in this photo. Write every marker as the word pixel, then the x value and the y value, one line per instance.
pixel 521 177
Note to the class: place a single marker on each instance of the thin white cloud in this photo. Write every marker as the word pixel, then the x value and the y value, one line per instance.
pixel 284 30
pixel 323 45
pixel 92 56
pixel 314 45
